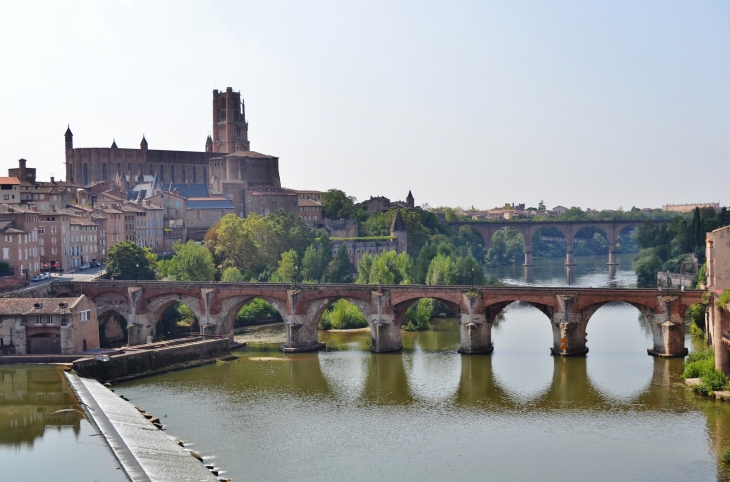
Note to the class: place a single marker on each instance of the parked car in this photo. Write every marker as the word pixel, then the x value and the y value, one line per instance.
pixel 85 266
pixel 37 278
pixel 46 275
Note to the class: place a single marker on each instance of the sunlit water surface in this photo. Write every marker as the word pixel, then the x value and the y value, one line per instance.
pixel 430 414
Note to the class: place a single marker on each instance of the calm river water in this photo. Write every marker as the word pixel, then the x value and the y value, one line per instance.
pixel 430 414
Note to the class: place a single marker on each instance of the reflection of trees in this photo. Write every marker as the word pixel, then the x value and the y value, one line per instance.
pixel 30 400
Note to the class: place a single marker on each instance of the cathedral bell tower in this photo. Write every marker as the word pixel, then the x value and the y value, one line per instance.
pixel 230 129
pixel 69 150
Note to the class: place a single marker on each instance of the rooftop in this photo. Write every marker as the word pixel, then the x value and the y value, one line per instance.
pixel 37 306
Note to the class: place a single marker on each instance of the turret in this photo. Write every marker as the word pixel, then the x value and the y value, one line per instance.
pixel 114 144
pixel 399 231
pixel 143 144
pixel 410 202
pixel 69 138
pixel 209 144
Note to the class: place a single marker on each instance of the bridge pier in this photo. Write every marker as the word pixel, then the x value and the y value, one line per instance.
pixel 475 330
pixel 385 335
pixel 528 254
pixel 300 337
pixel 569 328
pixel 667 328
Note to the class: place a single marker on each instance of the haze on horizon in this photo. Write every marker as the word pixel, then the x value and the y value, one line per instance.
pixel 608 105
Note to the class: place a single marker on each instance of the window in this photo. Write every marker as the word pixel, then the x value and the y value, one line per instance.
pixel 184 179
pixel 6 197
pixel 38 320
pixel 6 253
pixel 197 214
pixel 41 230
pixel 162 173
pixel 151 171
pixel 8 238
pixel 64 320
pixel 119 167
pixel 129 167
pixel 195 176
pixel 50 319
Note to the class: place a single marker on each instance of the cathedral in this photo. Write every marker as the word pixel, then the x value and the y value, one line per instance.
pixel 229 135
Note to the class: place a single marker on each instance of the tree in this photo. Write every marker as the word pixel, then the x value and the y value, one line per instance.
pixel 232 275
pixel 340 266
pixel 420 270
pixel 541 206
pixel 418 316
pixel 128 261
pixel 287 270
pixel 342 315
pixel 646 266
pixel 441 271
pixel 191 262
pixel 363 269
pixel 317 258
pixel 338 205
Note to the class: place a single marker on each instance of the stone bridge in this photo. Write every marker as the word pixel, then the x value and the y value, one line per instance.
pixel 216 305
pixel 528 229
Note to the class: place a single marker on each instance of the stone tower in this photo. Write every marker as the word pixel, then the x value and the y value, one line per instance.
pixel 410 202
pixel 69 148
pixel 230 129
pixel 398 229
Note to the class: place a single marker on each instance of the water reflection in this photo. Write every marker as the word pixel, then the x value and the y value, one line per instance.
pixel 588 271
pixel 43 432
pixel 32 399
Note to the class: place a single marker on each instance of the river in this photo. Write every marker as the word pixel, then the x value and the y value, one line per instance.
pixel 430 414
pixel 427 414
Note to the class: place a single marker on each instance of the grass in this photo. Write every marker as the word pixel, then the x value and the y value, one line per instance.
pixel 701 364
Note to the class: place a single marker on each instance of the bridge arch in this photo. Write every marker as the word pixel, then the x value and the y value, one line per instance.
pixel 112 327
pixel 230 307
pixel 157 306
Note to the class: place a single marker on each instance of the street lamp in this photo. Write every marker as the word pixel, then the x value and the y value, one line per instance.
pixel 472 278
pixel 136 274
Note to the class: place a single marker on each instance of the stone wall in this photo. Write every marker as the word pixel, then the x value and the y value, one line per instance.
pixel 138 362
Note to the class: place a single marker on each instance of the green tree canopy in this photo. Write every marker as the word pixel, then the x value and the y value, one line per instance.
pixel 128 261
pixel 338 205
pixel 191 262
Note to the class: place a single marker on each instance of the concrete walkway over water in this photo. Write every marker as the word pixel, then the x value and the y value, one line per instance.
pixel 146 453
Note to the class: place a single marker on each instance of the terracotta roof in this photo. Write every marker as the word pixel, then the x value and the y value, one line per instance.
pixel 82 222
pixel 7 208
pixel 36 306
pixel 308 202
pixel 9 180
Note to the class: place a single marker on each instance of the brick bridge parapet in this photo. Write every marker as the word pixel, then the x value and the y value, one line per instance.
pixel 216 305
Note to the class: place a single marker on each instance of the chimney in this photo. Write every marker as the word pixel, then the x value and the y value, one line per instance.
pixel 53 207
pixel 52 180
pixel 34 209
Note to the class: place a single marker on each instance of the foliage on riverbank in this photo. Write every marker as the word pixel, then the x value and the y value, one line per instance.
pixel 667 248
pixel 701 364
pixel 342 315
pixel 418 316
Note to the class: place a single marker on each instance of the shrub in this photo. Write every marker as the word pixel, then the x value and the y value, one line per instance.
pixel 701 364
pixel 418 316
pixel 4 267
pixel 342 315
pixel 256 310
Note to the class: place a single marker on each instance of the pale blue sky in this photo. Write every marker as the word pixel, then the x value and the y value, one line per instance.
pixel 596 104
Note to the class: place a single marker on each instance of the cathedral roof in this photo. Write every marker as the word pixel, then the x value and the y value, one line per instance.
pixel 398 223
pixel 143 144
pixel 114 143
pixel 209 141
pixel 249 154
